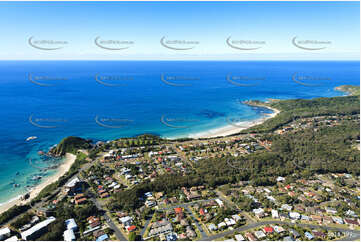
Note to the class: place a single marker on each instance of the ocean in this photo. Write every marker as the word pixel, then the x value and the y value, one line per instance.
pixel 105 100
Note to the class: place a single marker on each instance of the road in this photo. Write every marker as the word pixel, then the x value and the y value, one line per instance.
pixel 109 220
pixel 227 200
pixel 145 227
pixel 351 234
pixel 203 234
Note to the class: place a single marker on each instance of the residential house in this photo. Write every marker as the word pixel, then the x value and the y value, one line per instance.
pixel 160 227
pixel 268 230
pixel 294 215
pixel 318 234
pixel 190 232
pixel 259 234
pixel 259 212
pixel 278 229
pixel 239 237
pixel 309 236
pixel 37 230
pixel 250 236
pixel 274 213
pixel 212 227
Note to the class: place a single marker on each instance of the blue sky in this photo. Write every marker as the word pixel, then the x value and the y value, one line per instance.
pixel 271 26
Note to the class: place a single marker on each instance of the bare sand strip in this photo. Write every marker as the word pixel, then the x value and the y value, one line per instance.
pixel 234 128
pixel 63 168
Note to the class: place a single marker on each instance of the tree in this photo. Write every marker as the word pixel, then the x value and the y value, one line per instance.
pixel 132 236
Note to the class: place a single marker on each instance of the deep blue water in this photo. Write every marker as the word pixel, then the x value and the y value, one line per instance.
pixel 105 100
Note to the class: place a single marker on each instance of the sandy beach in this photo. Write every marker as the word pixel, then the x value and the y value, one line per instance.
pixel 234 127
pixel 63 168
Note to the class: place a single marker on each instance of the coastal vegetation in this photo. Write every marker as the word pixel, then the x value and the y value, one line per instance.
pixel 70 145
pixel 316 149
pixel 296 154
pixel 48 190
pixel 13 212
pixel 350 89
pixel 301 108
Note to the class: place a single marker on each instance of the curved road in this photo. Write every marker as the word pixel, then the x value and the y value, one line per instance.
pixel 351 234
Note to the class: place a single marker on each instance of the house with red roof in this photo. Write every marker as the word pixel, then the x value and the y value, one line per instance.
pixel 178 210
pixel 201 212
pixel 132 228
pixel 268 230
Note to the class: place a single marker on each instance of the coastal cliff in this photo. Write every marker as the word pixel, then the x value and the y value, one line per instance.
pixel 69 145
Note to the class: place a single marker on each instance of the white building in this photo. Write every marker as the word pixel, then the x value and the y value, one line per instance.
pixel 280 179
pixel 69 235
pixel 4 233
pixel 219 202
pixel 259 212
pixel 36 231
pixel 294 215
pixel 274 213
pixel 126 221
pixel 12 239
pixel 239 237
pixel 71 224
pixel 286 207
pixel 259 234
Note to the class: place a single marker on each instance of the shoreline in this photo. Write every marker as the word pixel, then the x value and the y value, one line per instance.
pixel 62 169
pixel 231 129
pixel 220 132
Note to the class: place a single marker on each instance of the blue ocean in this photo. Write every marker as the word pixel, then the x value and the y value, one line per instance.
pixel 104 100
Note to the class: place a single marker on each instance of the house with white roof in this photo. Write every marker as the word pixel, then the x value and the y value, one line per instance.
pixel 37 230
pixel 69 235
pixel 126 221
pixel 286 207
pixel 337 220
pixel 12 239
pixel 236 217
pixel 212 227
pixel 258 212
pixel 280 179
pixel 278 229
pixel 71 224
pixel 259 234
pixel 274 213
pixel 221 225
pixel 294 215
pixel 331 210
pixel 219 202
pixel 239 237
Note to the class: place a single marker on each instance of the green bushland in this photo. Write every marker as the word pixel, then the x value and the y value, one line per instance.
pixel 300 154
pixel 300 108
pixel 70 145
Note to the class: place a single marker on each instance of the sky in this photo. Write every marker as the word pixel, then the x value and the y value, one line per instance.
pixel 180 30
